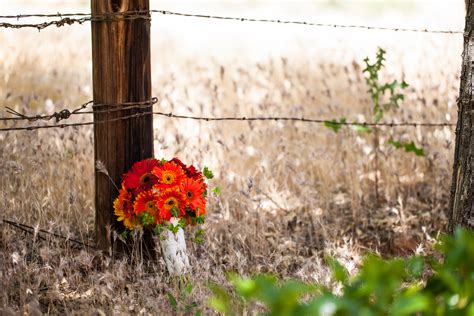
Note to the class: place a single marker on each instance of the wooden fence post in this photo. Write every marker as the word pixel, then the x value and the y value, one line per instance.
pixel 121 73
pixel 462 189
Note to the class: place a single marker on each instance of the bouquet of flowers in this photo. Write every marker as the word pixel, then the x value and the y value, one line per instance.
pixel 164 196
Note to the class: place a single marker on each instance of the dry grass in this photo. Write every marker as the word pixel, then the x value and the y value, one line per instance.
pixel 290 191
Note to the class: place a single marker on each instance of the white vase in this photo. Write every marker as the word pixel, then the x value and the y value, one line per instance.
pixel 174 250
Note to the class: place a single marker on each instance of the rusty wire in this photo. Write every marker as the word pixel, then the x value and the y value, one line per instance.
pixel 72 18
pixel 61 115
pixel 304 120
pixel 37 231
pixel 65 113
pixel 330 25
pixel 148 104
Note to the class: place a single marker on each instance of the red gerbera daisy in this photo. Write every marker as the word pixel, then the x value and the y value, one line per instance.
pixel 169 201
pixel 140 176
pixel 193 192
pixel 179 163
pixel 147 202
pixel 169 175
pixel 191 172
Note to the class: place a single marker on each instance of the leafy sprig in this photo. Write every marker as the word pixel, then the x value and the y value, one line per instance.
pixel 385 96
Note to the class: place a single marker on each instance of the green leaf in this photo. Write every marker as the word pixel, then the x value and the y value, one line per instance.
pixel 207 173
pixel 173 228
pixel 335 125
pixel 245 287
pixel 470 309
pixel 158 229
pixel 378 114
pixel 361 128
pixel 408 147
pixel 339 272
pixel 411 147
pixel 172 301
pixel 174 211
pixel 221 300
pixel 395 143
pixel 200 219
pixel 198 237
pixel 190 307
pixel 146 219
pixel 189 288
pixel 182 223
pixel 216 191
pixel 415 266
pixel 124 234
pixel 325 305
pixel 198 312
pixel 410 305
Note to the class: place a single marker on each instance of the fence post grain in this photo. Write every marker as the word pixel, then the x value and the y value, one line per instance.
pixel 121 73
pixel 462 187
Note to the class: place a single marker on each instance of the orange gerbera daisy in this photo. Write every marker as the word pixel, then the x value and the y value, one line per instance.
pixel 140 176
pixel 169 175
pixel 147 202
pixel 193 191
pixel 171 199
pixel 123 209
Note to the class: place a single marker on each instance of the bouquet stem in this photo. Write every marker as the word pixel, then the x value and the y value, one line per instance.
pixel 174 250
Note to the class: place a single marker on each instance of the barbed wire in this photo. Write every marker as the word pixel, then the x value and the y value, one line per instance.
pixel 147 104
pixel 305 120
pixel 47 15
pixel 80 18
pixel 65 113
pixel 34 231
pixel 72 18
pixel 329 25
pixel 61 115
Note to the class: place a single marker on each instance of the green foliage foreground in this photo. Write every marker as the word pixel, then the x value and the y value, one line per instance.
pixel 411 286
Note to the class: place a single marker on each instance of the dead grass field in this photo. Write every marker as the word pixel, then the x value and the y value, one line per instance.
pixel 290 191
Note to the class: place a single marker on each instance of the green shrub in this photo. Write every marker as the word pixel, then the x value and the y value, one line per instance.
pixel 381 287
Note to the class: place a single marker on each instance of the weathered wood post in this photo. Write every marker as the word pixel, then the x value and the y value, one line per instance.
pixel 121 73
pixel 462 189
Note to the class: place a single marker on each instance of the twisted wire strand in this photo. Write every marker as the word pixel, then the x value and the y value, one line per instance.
pixel 80 18
pixel 148 104
pixel 330 25
pixel 31 230
pixel 73 18
pixel 65 113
